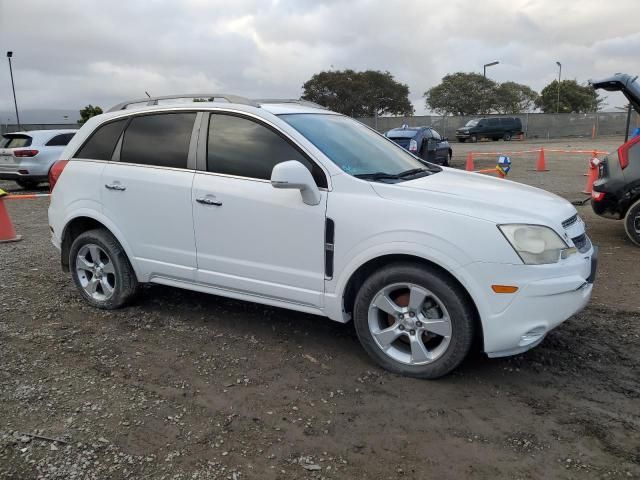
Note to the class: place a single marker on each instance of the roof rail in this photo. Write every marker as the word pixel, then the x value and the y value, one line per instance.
pixel 150 101
pixel 297 101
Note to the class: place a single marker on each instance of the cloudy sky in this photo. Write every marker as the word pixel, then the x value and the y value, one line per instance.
pixel 71 53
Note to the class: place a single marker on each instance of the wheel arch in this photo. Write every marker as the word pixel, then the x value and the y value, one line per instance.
pixel 83 223
pixel 364 270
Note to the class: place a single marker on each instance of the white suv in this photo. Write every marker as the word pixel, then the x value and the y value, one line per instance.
pixel 288 204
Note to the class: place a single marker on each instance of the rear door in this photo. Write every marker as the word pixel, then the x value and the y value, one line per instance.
pixel 493 128
pixel 146 192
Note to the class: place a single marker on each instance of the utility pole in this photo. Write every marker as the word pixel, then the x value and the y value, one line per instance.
pixel 15 102
pixel 484 67
pixel 559 76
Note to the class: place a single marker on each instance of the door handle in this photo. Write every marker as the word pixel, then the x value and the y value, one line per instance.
pixel 115 186
pixel 208 201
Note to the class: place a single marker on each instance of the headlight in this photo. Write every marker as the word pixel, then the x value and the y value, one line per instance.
pixel 536 244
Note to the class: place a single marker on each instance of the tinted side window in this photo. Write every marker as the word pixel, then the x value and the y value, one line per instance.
pixel 242 147
pixel 103 141
pixel 60 140
pixel 161 140
pixel 493 122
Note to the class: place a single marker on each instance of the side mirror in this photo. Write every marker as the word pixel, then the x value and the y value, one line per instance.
pixel 292 174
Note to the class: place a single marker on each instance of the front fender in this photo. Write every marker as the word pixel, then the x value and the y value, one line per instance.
pixel 417 244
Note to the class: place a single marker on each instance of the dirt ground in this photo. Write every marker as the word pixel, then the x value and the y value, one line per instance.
pixel 189 386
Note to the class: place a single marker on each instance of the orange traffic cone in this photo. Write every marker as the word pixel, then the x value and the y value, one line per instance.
pixel 7 232
pixel 592 174
pixel 541 166
pixel 469 167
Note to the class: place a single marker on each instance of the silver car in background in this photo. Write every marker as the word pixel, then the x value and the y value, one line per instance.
pixel 26 157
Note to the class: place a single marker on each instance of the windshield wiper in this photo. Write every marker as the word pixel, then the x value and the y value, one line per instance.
pixel 377 176
pixel 392 176
pixel 412 172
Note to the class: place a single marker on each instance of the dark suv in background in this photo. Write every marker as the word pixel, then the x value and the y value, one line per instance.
pixel 490 127
pixel 616 193
pixel 425 142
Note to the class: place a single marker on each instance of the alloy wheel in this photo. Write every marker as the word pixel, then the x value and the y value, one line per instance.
pixel 96 272
pixel 410 324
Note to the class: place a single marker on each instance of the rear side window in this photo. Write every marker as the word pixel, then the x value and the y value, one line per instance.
pixel 103 141
pixel 161 140
pixel 242 147
pixel 60 140
pixel 17 141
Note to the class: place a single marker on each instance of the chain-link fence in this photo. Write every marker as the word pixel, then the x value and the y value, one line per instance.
pixel 535 125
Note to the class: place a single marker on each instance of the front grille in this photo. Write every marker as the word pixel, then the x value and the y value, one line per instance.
pixel 570 221
pixel 582 243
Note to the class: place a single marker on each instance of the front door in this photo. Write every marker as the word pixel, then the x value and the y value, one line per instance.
pixel 252 238
pixel 147 194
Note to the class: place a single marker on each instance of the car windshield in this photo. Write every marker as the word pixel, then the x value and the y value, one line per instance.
pixel 355 148
pixel 471 123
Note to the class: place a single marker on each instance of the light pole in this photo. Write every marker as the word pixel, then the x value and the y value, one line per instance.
pixel 484 69
pixel 559 76
pixel 15 102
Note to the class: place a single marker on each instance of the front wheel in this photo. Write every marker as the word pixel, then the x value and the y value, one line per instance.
pixel 473 138
pixel 632 223
pixel 414 321
pixel 507 137
pixel 101 270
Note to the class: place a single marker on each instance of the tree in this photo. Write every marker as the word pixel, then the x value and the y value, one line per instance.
pixel 512 97
pixel 87 112
pixel 462 94
pixel 574 98
pixel 359 94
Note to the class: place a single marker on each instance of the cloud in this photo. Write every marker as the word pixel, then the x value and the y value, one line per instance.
pixel 68 54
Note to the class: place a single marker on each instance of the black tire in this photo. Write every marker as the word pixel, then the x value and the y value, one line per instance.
pixel 462 140
pixel 452 296
pixel 27 184
pixel 632 223
pixel 507 137
pixel 473 138
pixel 495 139
pixel 126 283
pixel 447 162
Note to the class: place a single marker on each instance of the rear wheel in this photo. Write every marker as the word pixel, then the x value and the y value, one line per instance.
pixel 632 223
pixel 27 184
pixel 101 270
pixel 414 321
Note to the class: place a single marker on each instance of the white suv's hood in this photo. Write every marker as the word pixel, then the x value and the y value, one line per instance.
pixel 481 196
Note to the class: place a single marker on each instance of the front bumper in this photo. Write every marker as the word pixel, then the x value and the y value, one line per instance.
pixel 547 296
pixel 463 134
